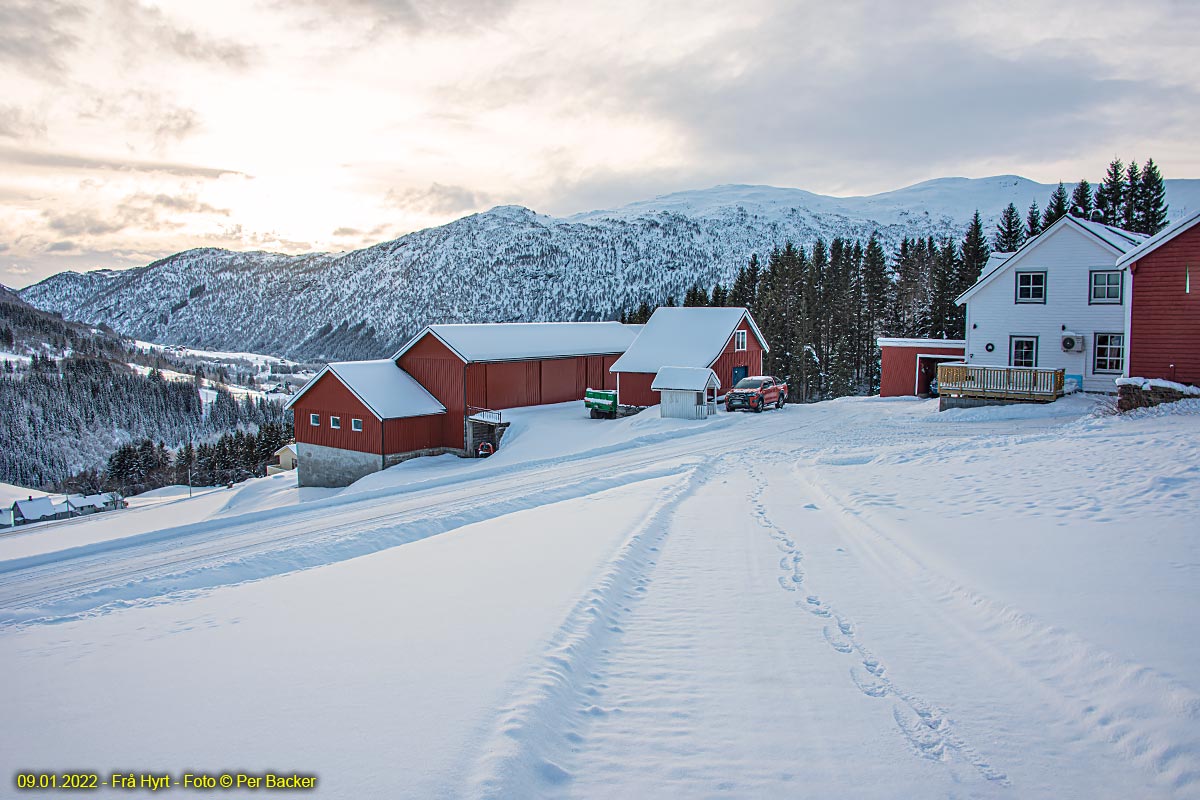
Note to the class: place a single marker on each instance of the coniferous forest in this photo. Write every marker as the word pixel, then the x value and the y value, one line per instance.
pixel 823 307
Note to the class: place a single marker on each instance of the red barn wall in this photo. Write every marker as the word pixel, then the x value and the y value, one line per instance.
pixel 330 397
pixel 633 389
pixel 751 358
pixel 898 367
pixel 413 433
pixel 442 373
pixel 1164 326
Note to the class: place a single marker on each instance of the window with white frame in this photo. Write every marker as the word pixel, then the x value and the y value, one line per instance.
pixel 356 424
pixel 1031 287
pixel 1109 353
pixel 314 420
pixel 335 422
pixel 1106 288
pixel 1022 351
pixel 739 340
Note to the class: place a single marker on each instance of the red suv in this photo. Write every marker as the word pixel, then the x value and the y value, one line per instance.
pixel 756 393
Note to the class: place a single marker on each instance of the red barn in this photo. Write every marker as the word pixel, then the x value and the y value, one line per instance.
pixel 725 340
pixel 908 365
pixel 507 365
pixel 358 417
pixel 1162 315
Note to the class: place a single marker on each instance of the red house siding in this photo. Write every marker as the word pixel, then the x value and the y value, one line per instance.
pixel 441 372
pixel 898 367
pixel 329 397
pixel 635 386
pixel 1164 327
pixel 412 433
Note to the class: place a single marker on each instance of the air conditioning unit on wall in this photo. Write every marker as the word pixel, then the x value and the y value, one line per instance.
pixel 1072 342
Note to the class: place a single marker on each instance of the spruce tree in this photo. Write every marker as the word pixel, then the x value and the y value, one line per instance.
pixel 1010 234
pixel 1081 200
pixel 1153 200
pixel 1033 222
pixel 1131 209
pixel 876 290
pixel 1110 195
pixel 720 297
pixel 974 258
pixel 1057 208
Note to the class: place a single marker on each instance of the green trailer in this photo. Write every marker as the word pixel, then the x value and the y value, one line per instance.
pixel 602 403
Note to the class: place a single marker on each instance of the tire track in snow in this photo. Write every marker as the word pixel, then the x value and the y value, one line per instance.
pixel 541 725
pixel 1089 686
pixel 927 729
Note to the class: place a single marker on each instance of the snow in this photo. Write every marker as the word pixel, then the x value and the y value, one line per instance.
pixel 10 492
pixel 860 598
pixel 510 341
pixel 1159 383
pixel 1123 240
pixel 16 358
pixel 685 337
pixel 692 379
pixel 892 341
pixel 388 391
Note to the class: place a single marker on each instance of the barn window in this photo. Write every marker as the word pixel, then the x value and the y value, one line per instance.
pixel 314 420
pixel 1022 351
pixel 739 340
pixel 335 422
pixel 356 424
pixel 1031 287
pixel 1106 288
pixel 1109 353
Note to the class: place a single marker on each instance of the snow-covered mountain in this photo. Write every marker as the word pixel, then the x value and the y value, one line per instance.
pixel 508 263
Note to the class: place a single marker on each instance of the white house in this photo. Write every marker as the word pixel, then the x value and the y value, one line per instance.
pixel 1056 303
pixel 686 392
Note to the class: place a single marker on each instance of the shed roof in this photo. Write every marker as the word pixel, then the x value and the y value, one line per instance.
pixel 687 379
pixel 686 337
pixel 1159 239
pixel 519 341
pixel 387 391
pixel 37 508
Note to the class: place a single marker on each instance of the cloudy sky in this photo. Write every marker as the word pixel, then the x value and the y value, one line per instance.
pixel 131 130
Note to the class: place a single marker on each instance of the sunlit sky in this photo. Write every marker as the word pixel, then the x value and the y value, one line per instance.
pixel 129 131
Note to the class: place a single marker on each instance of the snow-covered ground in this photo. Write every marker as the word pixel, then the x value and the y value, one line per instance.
pixel 860 598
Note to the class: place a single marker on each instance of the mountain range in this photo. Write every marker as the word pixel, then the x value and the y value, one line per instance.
pixel 509 264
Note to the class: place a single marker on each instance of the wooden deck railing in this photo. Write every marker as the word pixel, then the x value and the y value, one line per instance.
pixel 484 415
pixel 1005 383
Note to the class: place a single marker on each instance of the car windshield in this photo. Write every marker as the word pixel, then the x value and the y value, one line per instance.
pixel 749 383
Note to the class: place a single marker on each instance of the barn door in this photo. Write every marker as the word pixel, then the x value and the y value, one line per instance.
pixel 738 374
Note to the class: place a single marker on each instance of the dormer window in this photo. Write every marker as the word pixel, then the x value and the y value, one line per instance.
pixel 1031 287
pixel 739 340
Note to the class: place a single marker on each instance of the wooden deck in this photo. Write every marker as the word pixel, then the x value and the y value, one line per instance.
pixel 1023 384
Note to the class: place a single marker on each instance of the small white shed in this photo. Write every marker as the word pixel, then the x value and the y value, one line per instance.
pixel 686 392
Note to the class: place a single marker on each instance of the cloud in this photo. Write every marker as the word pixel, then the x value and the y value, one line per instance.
pixel 63 247
pixel 416 17
pixel 73 162
pixel 18 123
pixel 141 111
pixel 347 232
pixel 34 35
pixel 438 199
pixel 141 211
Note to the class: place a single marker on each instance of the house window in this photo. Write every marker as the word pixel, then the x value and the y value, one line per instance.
pixel 1109 353
pixel 1106 288
pixel 335 422
pixel 739 340
pixel 1031 287
pixel 1022 351
pixel 356 424
pixel 314 420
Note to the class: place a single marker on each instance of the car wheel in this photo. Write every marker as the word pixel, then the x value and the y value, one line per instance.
pixel 779 402
pixel 758 407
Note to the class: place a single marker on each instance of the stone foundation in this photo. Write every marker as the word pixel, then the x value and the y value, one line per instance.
pixel 1131 396
pixel 333 467
pixel 945 402
pixel 397 458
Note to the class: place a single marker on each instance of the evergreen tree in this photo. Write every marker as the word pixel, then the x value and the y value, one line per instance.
pixel 1033 221
pixel 1057 207
pixel 1131 210
pixel 1153 200
pixel 876 299
pixel 1110 195
pixel 720 297
pixel 1081 200
pixel 1010 234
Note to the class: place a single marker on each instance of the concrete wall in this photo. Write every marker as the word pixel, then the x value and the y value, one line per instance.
pixel 332 466
pixel 1067 257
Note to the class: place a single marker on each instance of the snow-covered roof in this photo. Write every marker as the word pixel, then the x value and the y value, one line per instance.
pixel 6 517
pixel 888 341
pixel 516 341
pixel 37 508
pixel 1162 237
pixel 386 390
pixel 687 337
pixel 688 379
pixel 1117 240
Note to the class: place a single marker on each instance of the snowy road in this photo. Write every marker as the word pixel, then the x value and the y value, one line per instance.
pixel 858 598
